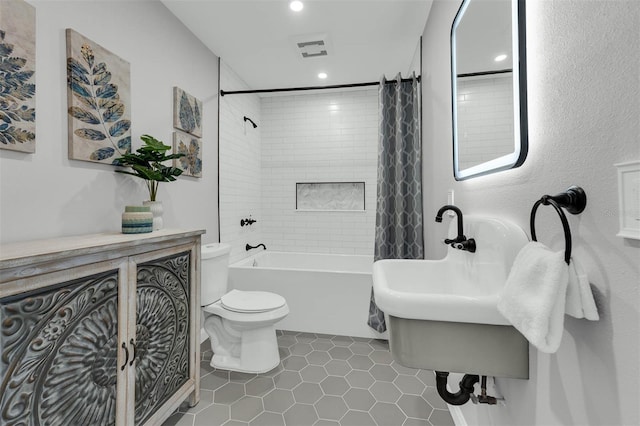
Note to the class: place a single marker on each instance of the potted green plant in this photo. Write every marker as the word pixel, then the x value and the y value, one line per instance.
pixel 146 163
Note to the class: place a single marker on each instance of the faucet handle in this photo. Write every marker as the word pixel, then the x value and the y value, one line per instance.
pixel 462 243
pixel 247 222
pixel 458 239
pixel 466 245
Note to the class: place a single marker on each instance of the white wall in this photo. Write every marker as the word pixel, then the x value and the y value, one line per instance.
pixel 46 195
pixel 240 156
pixel 323 137
pixel 584 104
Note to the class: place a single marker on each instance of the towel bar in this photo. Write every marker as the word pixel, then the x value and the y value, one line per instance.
pixel 574 200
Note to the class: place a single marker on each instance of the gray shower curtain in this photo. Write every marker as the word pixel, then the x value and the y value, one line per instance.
pixel 398 232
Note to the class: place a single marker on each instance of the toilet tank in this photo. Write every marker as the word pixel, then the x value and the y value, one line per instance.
pixel 215 271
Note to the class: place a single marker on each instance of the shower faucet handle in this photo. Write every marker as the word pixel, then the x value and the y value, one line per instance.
pixel 247 222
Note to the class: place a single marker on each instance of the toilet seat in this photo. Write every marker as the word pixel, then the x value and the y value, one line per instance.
pixel 251 301
pixel 246 318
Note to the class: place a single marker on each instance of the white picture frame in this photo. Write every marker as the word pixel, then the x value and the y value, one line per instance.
pixel 629 199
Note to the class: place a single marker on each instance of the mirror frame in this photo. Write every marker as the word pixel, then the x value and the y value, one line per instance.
pixel 520 125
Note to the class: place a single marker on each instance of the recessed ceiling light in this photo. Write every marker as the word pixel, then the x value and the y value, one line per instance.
pixel 322 75
pixel 500 58
pixel 296 6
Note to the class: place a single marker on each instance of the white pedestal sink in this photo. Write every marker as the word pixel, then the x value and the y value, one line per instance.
pixel 442 314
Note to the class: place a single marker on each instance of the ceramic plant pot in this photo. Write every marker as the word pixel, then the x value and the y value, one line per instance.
pixel 157 210
pixel 137 220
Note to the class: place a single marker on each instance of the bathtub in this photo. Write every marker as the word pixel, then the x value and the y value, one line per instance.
pixel 326 293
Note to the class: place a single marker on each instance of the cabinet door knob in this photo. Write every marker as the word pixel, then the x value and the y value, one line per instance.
pixel 126 354
pixel 133 345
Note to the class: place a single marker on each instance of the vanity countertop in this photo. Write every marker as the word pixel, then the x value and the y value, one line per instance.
pixel 29 252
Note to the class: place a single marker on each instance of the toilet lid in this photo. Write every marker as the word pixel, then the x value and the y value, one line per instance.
pixel 251 301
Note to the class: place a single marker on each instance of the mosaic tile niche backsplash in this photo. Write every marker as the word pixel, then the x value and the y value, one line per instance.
pixel 348 196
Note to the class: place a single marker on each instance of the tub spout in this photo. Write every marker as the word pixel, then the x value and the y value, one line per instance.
pixel 248 247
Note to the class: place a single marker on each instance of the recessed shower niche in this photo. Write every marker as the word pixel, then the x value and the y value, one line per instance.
pixel 345 196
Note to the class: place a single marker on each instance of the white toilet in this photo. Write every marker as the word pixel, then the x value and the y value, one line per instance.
pixel 240 324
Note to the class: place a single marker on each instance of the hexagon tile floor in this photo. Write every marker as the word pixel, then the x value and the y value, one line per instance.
pixel 321 380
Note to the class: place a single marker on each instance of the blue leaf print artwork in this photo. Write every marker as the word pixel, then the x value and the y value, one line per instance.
pixel 187 119
pixel 90 134
pixel 113 112
pixel 124 142
pixel 107 91
pixel 102 153
pixel 77 72
pixel 187 112
pixel 99 123
pixel 83 115
pixel 17 77
pixel 191 163
pixel 120 128
pixel 196 115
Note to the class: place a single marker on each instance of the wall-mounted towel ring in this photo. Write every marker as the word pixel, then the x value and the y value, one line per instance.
pixel 574 200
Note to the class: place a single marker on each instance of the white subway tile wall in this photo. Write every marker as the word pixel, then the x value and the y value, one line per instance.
pixel 322 137
pixel 485 123
pixel 240 157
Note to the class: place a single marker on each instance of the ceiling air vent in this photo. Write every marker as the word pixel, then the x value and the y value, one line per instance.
pixel 312 49
pixel 311 45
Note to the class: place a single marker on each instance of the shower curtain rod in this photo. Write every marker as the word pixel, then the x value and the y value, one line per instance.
pixel 295 89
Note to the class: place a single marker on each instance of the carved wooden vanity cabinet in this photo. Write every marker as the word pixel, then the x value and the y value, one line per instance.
pixel 99 329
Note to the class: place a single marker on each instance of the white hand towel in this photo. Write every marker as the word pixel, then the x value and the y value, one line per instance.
pixel 533 297
pixel 580 303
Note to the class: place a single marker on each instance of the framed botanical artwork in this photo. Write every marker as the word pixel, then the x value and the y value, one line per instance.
pixel 191 163
pixel 99 99
pixel 17 76
pixel 187 112
pixel 629 199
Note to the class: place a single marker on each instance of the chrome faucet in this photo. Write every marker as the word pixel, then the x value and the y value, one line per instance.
pixel 460 242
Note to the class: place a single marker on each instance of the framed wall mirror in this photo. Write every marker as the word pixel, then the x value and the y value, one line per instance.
pixel 489 87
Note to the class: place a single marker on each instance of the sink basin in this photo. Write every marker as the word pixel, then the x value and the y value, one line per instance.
pixel 462 287
pixel 442 314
